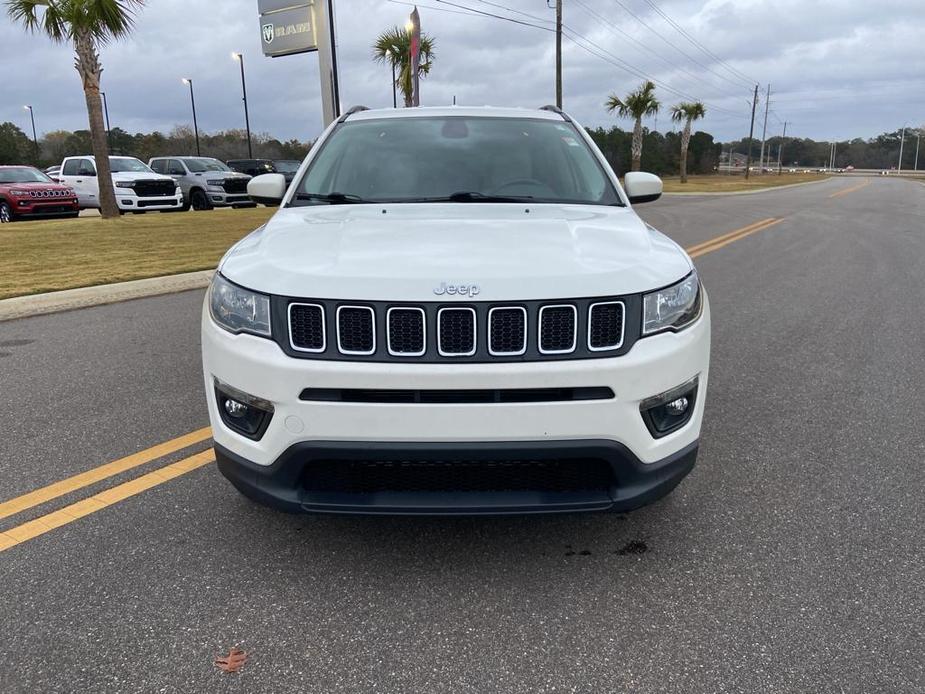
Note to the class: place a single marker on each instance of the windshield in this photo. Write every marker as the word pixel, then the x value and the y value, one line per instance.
pixel 286 165
pixel 470 159
pixel 23 174
pixel 118 164
pixel 200 165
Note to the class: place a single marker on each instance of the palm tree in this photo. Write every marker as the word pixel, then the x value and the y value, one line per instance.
pixel 394 47
pixel 638 103
pixel 688 112
pixel 87 24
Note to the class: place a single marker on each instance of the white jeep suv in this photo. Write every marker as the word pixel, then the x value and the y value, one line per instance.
pixel 455 311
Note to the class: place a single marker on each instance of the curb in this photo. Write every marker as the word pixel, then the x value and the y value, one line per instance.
pixel 749 192
pixel 69 299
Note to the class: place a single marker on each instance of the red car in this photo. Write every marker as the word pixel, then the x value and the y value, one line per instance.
pixel 27 192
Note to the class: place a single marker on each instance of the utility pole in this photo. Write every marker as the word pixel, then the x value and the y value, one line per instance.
pixel 764 130
pixel 917 138
pixel 106 113
pixel 559 53
pixel 780 147
pixel 751 132
pixel 902 141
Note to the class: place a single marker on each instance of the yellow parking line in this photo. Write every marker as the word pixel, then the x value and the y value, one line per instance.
pixel 726 239
pixel 68 514
pixel 839 193
pixel 97 474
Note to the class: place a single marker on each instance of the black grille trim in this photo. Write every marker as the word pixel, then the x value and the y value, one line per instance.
pixel 542 329
pixel 372 319
pixel 591 325
pixel 491 332
pixel 388 331
pixel 475 331
pixel 456 397
pixel 324 337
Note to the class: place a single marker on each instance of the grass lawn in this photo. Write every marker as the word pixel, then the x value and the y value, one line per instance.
pixel 48 255
pixel 726 183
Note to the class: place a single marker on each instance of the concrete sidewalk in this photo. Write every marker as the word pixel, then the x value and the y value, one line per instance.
pixel 52 302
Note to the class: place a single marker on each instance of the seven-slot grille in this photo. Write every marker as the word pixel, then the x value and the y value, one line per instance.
pixel 406 332
pixel 531 331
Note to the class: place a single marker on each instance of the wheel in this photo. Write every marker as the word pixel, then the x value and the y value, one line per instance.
pixel 199 200
pixel 6 213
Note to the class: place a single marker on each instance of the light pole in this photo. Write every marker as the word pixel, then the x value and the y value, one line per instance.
pixel 917 138
pixel 35 140
pixel 247 122
pixel 394 57
pixel 902 141
pixel 187 81
pixel 108 131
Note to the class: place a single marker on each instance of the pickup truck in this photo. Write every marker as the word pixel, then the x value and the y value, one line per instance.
pixel 138 188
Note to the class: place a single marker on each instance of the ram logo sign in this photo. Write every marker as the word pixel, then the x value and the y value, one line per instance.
pixel 286 27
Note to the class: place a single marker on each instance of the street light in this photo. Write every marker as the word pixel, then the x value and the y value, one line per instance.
pixel 106 111
pixel 902 141
pixel 187 81
pixel 247 122
pixel 35 140
pixel 394 54
pixel 917 138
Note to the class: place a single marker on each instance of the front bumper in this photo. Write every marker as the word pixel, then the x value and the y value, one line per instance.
pixel 30 207
pixel 303 431
pixel 133 202
pixel 285 484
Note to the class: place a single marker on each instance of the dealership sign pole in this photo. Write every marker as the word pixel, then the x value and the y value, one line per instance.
pixel 289 27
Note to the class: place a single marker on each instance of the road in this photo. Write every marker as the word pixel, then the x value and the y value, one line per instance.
pixel 791 560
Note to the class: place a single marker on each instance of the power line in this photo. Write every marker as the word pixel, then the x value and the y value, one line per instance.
pixel 669 43
pixel 699 45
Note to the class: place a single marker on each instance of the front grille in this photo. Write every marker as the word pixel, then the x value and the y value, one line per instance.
pixel 51 193
pixel 456 397
pixel 156 203
pixel 406 332
pixel 558 326
pixel 306 327
pixel 235 185
pixel 474 332
pixel 457 332
pixel 507 331
pixel 605 325
pixel 356 330
pixel 152 189
pixel 376 476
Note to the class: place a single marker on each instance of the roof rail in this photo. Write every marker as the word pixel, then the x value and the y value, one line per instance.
pixel 556 109
pixel 350 111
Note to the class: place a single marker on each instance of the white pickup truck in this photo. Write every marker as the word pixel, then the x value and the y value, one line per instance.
pixel 138 188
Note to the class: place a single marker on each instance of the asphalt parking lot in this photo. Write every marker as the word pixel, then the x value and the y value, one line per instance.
pixel 791 560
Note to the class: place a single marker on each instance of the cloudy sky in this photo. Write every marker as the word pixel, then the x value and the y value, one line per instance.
pixel 837 68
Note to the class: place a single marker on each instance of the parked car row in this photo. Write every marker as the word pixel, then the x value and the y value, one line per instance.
pixel 165 184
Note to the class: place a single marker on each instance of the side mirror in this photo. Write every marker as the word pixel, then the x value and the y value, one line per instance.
pixel 642 187
pixel 267 189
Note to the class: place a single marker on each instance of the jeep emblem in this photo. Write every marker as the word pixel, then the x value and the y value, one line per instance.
pixel 269 33
pixel 470 290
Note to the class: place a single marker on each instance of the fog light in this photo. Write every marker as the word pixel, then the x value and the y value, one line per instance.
pixel 669 411
pixel 234 408
pixel 241 412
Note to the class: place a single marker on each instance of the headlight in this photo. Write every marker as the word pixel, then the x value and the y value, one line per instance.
pixel 239 310
pixel 672 308
pixel 125 184
pixel 216 181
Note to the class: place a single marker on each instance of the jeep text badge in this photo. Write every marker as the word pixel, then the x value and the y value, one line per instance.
pixel 469 290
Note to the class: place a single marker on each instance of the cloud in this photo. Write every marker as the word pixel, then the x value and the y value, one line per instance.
pixel 838 69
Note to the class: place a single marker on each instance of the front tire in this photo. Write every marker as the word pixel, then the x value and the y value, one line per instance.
pixel 199 200
pixel 6 213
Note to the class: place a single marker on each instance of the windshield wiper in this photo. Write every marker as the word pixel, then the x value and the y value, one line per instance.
pixel 332 198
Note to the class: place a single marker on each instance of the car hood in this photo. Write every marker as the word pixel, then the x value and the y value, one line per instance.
pixel 35 186
pixel 139 176
pixel 404 252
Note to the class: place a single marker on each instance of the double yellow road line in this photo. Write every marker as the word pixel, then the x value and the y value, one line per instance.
pixel 68 514
pixel 55 519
